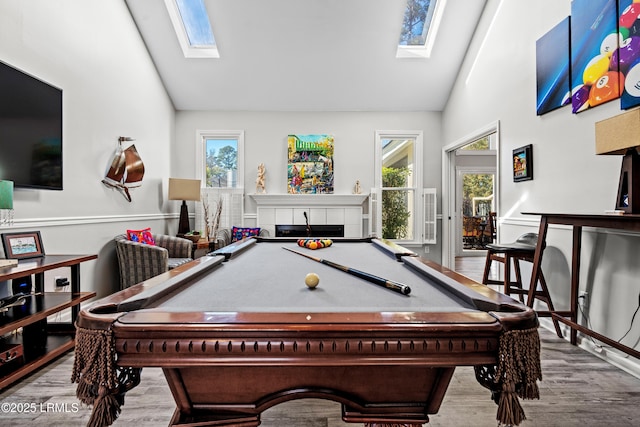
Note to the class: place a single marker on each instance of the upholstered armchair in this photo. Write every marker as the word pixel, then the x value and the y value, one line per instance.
pixel 140 261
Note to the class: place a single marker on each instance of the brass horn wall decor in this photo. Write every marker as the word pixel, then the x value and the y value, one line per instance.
pixel 126 169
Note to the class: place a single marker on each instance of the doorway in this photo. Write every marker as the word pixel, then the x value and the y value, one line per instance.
pixel 470 186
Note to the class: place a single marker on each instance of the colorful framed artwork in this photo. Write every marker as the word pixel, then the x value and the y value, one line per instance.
pixel 595 77
pixel 553 70
pixel 22 245
pixel 310 164
pixel 523 163
pixel 628 54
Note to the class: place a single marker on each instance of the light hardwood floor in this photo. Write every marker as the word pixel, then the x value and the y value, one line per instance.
pixel 577 390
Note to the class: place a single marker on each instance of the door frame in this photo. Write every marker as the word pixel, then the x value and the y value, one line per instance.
pixel 449 188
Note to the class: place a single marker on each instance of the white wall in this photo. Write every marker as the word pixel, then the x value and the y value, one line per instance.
pixel 266 142
pixel 91 49
pixel 497 83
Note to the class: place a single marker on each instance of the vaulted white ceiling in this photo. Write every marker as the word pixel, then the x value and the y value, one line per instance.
pixel 308 55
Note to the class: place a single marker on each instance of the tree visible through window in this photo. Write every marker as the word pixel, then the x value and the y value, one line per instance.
pixel 221 162
pixel 396 211
pixel 416 22
pixel 398 188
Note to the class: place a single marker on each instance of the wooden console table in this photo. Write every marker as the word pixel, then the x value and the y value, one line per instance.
pixel 38 306
pixel 577 221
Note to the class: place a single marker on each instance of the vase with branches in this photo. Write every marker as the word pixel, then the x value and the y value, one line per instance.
pixel 211 218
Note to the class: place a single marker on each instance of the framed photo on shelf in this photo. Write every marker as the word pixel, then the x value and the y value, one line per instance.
pixel 523 163
pixel 22 245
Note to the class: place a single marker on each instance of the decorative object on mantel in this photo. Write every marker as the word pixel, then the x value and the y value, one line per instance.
pixel 523 163
pixel 621 135
pixel 357 189
pixel 211 220
pixel 260 180
pixel 6 203
pixel 184 189
pixel 310 164
pixel 126 169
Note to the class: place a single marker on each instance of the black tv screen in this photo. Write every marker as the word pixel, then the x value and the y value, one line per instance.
pixel 30 130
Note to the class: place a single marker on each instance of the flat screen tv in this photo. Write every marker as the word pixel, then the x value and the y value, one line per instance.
pixel 30 131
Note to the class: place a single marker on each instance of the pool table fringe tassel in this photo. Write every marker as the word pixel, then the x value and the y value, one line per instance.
pixel 95 371
pixel 517 373
pixel 99 384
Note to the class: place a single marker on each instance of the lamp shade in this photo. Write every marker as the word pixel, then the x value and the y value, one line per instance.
pixel 184 189
pixel 6 194
pixel 618 134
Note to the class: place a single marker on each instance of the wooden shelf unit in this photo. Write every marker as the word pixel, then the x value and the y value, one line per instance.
pixel 38 307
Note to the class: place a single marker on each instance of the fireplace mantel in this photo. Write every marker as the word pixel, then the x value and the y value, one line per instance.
pixel 294 209
pixel 307 200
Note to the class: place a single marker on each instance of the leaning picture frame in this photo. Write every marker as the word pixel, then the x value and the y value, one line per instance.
pixel 523 163
pixel 22 245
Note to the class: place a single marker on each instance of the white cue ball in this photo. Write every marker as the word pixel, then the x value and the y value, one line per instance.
pixel 312 280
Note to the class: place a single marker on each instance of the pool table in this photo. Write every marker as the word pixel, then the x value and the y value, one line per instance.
pixel 238 331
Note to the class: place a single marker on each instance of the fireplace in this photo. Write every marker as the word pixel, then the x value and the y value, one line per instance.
pixel 320 230
pixel 330 215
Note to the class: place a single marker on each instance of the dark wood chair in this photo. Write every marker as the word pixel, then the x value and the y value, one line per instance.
pixel 471 231
pixel 489 235
pixel 523 249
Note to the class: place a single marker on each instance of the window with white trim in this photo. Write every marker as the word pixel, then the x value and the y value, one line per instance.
pixel 398 212
pixel 219 166
pixel 219 158
pixel 192 25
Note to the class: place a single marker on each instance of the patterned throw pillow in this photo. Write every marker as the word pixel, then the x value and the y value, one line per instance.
pixel 141 236
pixel 239 233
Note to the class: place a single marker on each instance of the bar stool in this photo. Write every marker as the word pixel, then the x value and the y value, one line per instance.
pixel 523 249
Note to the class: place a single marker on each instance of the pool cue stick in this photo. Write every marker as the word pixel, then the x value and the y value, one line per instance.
pixel 389 284
pixel 308 227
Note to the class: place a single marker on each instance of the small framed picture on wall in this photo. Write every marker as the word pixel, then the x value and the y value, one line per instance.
pixel 523 163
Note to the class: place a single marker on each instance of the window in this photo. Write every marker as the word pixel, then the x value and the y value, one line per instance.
pixel 192 26
pixel 219 161
pixel 219 165
pixel 398 214
pixel 419 28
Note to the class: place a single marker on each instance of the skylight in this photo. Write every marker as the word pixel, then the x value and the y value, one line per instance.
pixel 419 28
pixel 193 28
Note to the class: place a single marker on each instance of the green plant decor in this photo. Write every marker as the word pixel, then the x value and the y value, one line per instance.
pixel 395 215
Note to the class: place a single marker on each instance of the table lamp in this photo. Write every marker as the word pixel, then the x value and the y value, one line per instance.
pixel 184 189
pixel 621 135
pixel 6 203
